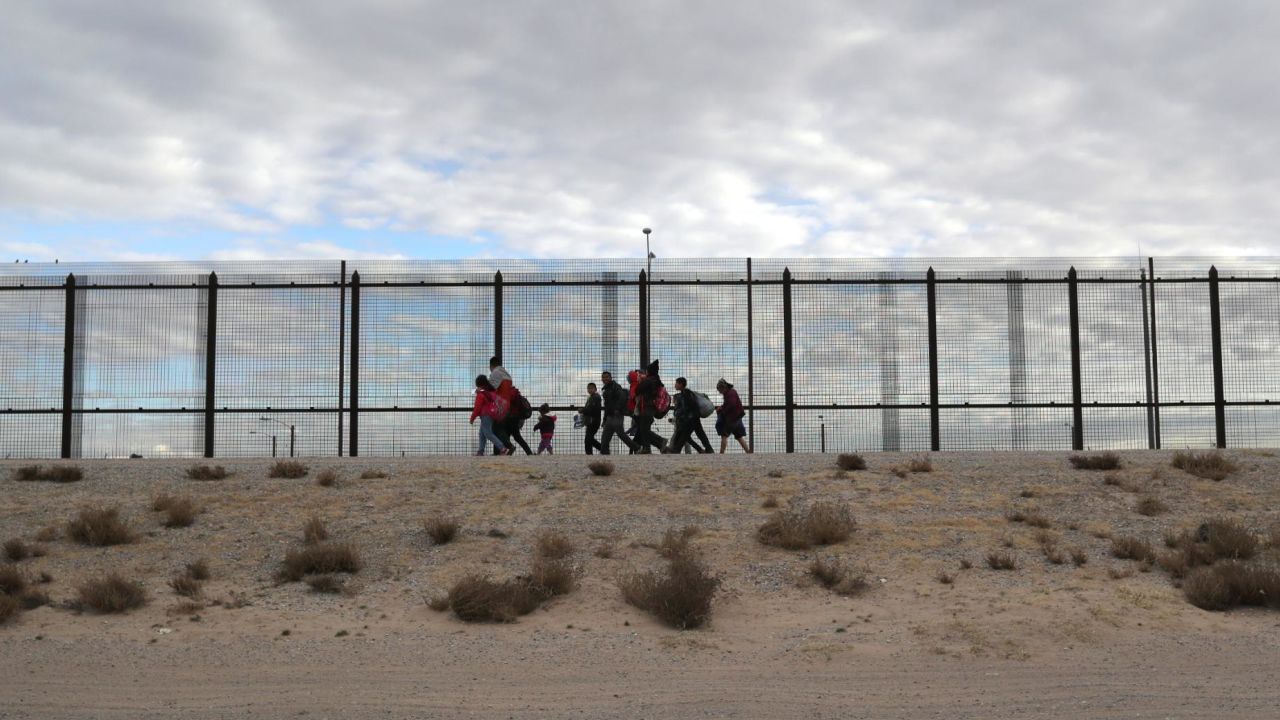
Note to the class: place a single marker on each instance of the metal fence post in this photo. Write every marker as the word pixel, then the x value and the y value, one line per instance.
pixel 497 315
pixel 787 365
pixel 1155 352
pixel 935 425
pixel 1219 401
pixel 210 363
pixel 68 363
pixel 1077 410
pixel 644 320
pixel 1146 360
pixel 751 366
pixel 342 345
pixel 353 442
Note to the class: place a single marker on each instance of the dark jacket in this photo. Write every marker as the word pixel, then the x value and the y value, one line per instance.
pixel 684 405
pixel 615 400
pixel 591 411
pixel 731 407
pixel 647 390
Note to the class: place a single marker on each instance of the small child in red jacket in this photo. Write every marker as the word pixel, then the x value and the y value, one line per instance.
pixel 546 425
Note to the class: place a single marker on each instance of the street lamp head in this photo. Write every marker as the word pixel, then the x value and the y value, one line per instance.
pixel 646 231
pixel 652 256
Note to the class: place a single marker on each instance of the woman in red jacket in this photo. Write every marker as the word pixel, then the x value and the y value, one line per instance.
pixel 488 409
pixel 730 414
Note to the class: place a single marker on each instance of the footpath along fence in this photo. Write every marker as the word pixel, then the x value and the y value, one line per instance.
pixel 378 357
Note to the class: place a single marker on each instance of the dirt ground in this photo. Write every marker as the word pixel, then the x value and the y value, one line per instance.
pixel 1101 640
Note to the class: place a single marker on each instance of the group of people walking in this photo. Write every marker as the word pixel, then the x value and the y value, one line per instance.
pixel 502 411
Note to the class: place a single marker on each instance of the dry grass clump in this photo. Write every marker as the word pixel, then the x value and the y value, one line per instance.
pixel 180 513
pixel 945 577
pixel 1101 461
pixel 111 594
pixel 1211 464
pixel 1132 548
pixel 207 472
pixel 327 478
pixel 477 598
pixel 920 465
pixel 676 542
pixel 552 577
pixel 314 531
pixel 198 569
pixel 838 577
pixel 9 608
pixel 319 559
pixel 552 545
pixel 1000 560
pixel 1032 517
pixel 1150 506
pixel 48 533
pixel 770 501
pixel 824 523
pixel 53 473
pixel 441 530
pixel 373 474
pixel 99 527
pixel 1232 583
pixel 1079 557
pixel 679 595
pixel 186 586
pixel 600 468
pixel 287 469
pixel 12 580
pixel 15 550
pixel 1214 540
pixel 327 584
pixel 851 461
pixel 604 551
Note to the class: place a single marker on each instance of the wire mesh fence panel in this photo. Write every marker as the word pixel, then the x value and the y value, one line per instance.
pixel 1115 428
pixel 1114 343
pixel 121 435
pixel 253 434
pixel 836 431
pixel 1185 343
pixel 1187 427
pixel 31 347
pixel 1006 428
pixel 699 333
pixel 1256 426
pixel 404 434
pixel 1250 314
pixel 30 435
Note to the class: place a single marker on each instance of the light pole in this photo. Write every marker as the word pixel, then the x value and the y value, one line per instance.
pixel 291 433
pixel 648 281
pixel 273 440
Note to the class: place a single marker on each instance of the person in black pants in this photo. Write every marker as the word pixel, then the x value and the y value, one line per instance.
pixel 646 396
pixel 614 402
pixel 591 418
pixel 684 409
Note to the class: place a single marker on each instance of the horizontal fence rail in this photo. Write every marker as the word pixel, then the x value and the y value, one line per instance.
pixel 379 357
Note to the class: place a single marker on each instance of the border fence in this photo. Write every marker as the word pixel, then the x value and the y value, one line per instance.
pixel 228 359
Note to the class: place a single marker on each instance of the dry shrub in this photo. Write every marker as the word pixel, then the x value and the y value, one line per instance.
pixel 838 577
pixel 207 472
pixel 1015 515
pixel 327 584
pixel 1037 520
pixel 319 559
pixel 49 533
pixel 16 550
pixel 1079 557
pixel 1027 493
pixel 1232 583
pixel 851 461
pixel 180 513
pixel 1211 464
pixel 604 552
pixel 1151 506
pixel 372 475
pixel 676 542
pixel 945 577
pixel 1000 560
pixel 1054 555
pixel 441 530
pixel 1132 548
pixel 99 527
pixel 54 473
pixel 1119 573
pixel 776 473
pixel 480 599
pixel 552 545
pixel 1101 461
pixel 198 569
pixel 287 469
pixel 552 577
pixel 1046 538
pixel 900 472
pixel 966 564
pixel 770 501
pixel 824 523
pixel 600 468
pixel 111 594
pixel 314 531
pixel 186 586
pixel 680 595
pixel 9 608
pixel 1228 539
pixel 920 465
pixel 328 478
pixel 160 503
pixel 12 580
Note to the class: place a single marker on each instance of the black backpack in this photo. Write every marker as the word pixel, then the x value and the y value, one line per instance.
pixel 521 406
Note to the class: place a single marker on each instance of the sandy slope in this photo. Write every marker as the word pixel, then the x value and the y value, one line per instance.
pixel 1042 641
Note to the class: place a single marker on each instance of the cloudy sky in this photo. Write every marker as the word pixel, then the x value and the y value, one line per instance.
pixel 245 129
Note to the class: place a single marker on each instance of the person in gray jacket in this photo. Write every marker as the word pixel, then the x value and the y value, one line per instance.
pixel 615 410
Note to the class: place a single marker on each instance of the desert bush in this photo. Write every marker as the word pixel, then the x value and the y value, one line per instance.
pixel 198 569
pixel 327 584
pixel 33 598
pixel 16 550
pixel 327 478
pixel 851 461
pixel 920 465
pixel 186 586
pixel 9 608
pixel 319 559
pixel 945 577
pixel 680 595
pixel 966 564
pixel 99 527
pixel 111 594
pixel 1101 461
pixel 1211 464
pixel 676 542
pixel 775 473
pixel 441 530
pixel 1228 539
pixel 180 513
pixel 372 475
pixel 1000 560
pixel 12 580
pixel 552 545
pixel 1079 557
pixel 1015 515
pixel 601 468
pixel 899 472
pixel 552 577
pixel 1027 493
pixel 287 469
pixel 770 501
pixel 477 598
pixel 53 473
pixel 160 503
pixel 838 577
pixel 1035 519
pixel 1151 506
pixel 1054 555
pixel 314 531
pixel 207 472
pixel 824 523
pixel 1232 583
pixel 1132 548
pixel 604 551
pixel 1119 573
pixel 48 533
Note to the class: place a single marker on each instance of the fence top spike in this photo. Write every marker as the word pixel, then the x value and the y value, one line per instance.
pixel 498 276
pixel 786 272
pixel 1213 269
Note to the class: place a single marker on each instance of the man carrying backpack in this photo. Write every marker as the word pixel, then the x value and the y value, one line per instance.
pixel 615 410
pixel 648 407
pixel 687 407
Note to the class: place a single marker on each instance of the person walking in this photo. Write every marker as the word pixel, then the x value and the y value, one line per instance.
pixel 614 403
pixel 497 373
pixel 591 419
pixel 647 385
pixel 684 410
pixel 546 429
pixel 488 407
pixel 729 417
pixel 521 410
